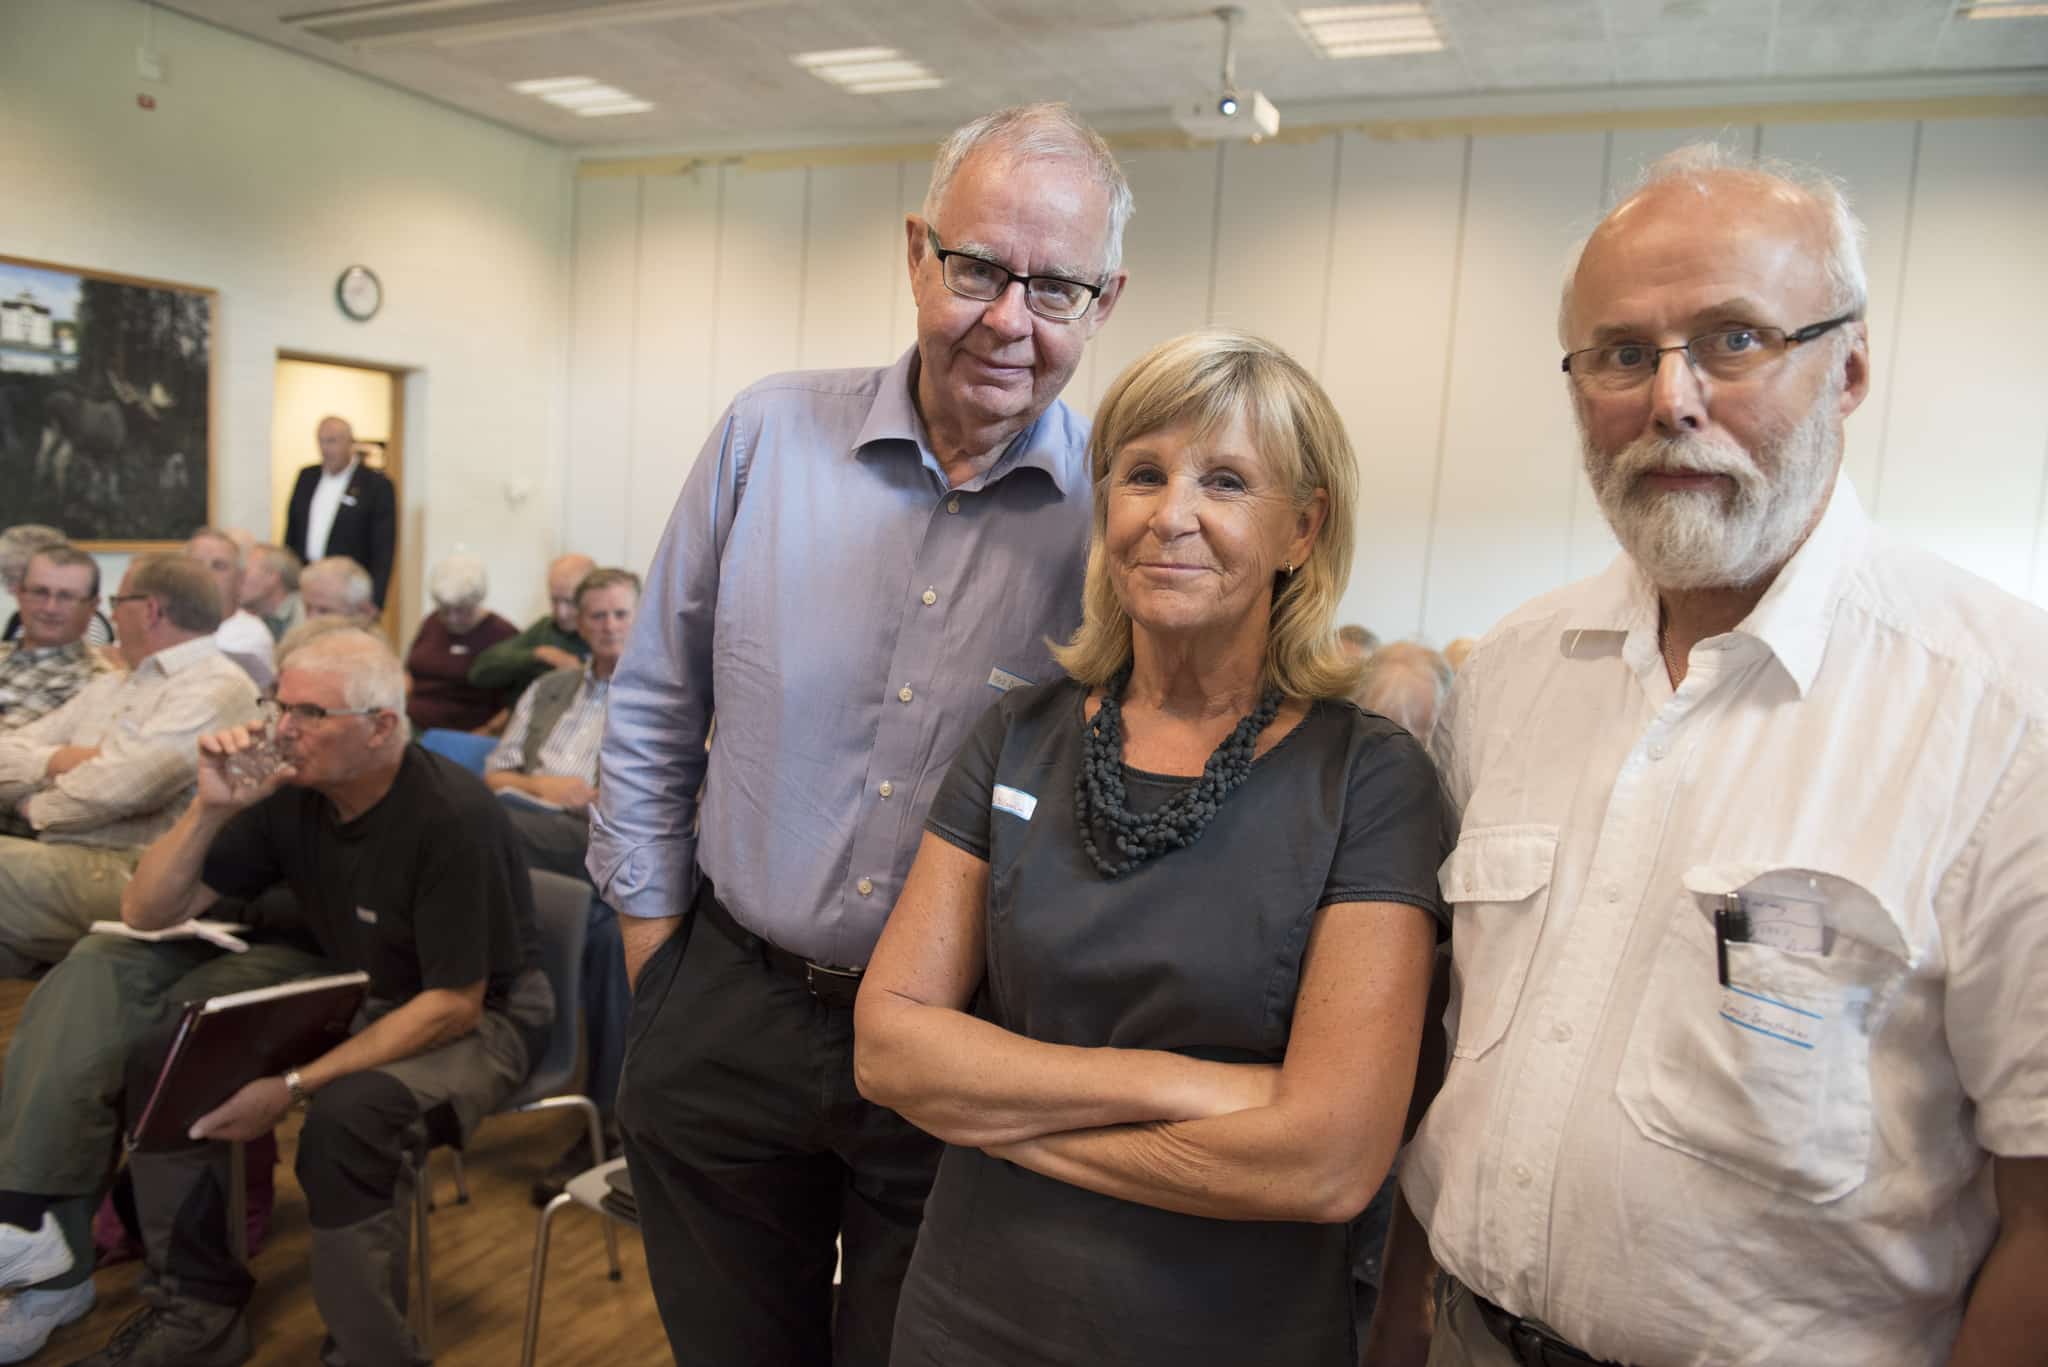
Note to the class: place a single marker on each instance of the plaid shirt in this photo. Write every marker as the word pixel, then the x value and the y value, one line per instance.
pixel 39 679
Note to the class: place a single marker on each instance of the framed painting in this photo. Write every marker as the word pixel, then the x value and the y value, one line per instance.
pixel 106 404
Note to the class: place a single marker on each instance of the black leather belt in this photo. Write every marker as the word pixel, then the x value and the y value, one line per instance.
pixel 1530 1344
pixel 830 984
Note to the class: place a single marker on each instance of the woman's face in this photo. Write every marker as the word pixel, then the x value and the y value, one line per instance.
pixel 1197 527
pixel 461 618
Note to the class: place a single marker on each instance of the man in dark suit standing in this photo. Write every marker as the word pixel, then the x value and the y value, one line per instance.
pixel 341 507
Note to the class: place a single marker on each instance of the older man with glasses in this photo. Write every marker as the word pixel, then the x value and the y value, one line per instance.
pixel 51 661
pixel 92 782
pixel 1751 895
pixel 861 561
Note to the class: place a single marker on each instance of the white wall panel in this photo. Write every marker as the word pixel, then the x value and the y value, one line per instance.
pixel 603 385
pixel 912 178
pixel 672 408
pixel 1393 276
pixel 1273 243
pixel 1876 162
pixel 760 278
pixel 853 266
pixel 1508 479
pixel 1969 421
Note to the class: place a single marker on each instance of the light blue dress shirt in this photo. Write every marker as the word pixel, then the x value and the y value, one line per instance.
pixel 846 616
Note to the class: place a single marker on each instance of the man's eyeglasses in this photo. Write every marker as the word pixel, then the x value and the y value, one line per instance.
pixel 306 713
pixel 115 600
pixel 978 278
pixel 1732 353
pixel 63 598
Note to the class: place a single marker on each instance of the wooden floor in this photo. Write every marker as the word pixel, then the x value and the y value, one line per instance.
pixel 482 1253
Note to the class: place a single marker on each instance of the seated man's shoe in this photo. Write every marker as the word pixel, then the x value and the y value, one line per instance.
pixel 29 1317
pixel 576 1158
pixel 31 1256
pixel 182 1333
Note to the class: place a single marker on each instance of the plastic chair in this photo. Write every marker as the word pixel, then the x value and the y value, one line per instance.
pixel 561 908
pixel 586 1189
pixel 465 749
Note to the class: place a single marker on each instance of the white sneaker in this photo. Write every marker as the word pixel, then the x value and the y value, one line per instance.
pixel 28 1318
pixel 27 1258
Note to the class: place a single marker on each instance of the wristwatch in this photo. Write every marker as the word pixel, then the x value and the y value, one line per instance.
pixel 297 1088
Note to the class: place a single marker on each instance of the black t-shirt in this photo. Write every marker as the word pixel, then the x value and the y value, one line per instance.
pixel 1197 951
pixel 425 890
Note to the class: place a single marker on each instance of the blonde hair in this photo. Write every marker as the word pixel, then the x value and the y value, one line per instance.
pixel 1205 379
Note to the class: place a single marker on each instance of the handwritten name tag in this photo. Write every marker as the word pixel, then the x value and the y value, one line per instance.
pixel 1018 804
pixel 1768 1016
pixel 1003 680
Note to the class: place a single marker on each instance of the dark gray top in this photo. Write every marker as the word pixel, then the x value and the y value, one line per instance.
pixel 1198 951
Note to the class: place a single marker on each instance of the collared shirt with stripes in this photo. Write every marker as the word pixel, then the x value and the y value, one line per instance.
pixel 37 680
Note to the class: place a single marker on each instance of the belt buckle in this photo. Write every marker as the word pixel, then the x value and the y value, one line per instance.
pixel 833 979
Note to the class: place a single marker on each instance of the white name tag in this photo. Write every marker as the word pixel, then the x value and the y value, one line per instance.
pixel 366 916
pixel 348 500
pixel 1768 1016
pixel 1003 680
pixel 1018 804
pixel 1796 924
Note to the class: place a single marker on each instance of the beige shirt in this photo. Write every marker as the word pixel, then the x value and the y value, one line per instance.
pixel 146 725
pixel 1793 1168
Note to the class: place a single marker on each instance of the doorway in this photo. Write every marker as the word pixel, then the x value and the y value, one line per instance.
pixel 371 399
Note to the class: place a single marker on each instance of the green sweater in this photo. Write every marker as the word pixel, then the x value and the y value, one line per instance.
pixel 509 666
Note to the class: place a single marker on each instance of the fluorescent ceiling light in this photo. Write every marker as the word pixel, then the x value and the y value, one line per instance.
pixel 583 95
pixel 2002 9
pixel 551 84
pixel 607 110
pixel 869 70
pixel 582 99
pixel 1371 30
pixel 891 87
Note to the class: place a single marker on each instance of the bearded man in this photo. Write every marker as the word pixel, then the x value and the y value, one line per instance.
pixel 1751 894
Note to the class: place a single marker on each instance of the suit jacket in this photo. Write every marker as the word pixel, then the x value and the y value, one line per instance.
pixel 365 525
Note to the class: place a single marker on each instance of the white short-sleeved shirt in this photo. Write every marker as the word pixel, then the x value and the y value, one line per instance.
pixel 1793 1168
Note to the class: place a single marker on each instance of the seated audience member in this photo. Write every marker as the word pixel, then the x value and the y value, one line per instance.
pixel 452 636
pixel 104 774
pixel 17 544
pixel 549 752
pixel 50 661
pixel 549 643
pixel 270 588
pixel 1167 1026
pixel 1358 643
pixel 1456 651
pixel 360 825
pixel 242 637
pixel 1405 682
pixel 337 587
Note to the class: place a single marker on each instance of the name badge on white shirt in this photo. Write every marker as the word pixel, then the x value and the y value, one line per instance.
pixel 1766 1015
pixel 1018 804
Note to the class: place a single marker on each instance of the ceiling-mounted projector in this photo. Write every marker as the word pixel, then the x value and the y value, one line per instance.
pixel 1229 115
pixel 1248 116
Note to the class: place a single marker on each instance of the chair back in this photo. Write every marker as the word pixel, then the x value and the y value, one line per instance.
pixel 469 751
pixel 561 909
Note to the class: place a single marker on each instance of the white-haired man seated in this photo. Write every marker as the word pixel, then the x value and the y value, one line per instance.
pixel 1405 682
pixel 270 588
pixel 242 636
pixel 337 587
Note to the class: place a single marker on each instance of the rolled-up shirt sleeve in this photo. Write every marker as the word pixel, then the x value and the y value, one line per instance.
pixel 643 827
pixel 145 762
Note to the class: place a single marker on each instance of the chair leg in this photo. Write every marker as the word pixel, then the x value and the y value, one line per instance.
pixel 611 1247
pixel 422 1205
pixel 538 1276
pixel 461 1178
pixel 238 1202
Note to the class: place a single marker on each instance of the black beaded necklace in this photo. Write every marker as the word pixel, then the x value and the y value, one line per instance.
pixel 1181 819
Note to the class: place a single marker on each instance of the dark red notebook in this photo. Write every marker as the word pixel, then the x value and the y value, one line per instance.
pixel 224 1043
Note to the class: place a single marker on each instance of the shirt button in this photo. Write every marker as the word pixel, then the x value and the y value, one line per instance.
pixel 904 694
pixel 930 597
pixel 1521 1174
pixel 953 504
pixel 1562 1033
pixel 865 886
pixel 887 788
pixel 1613 893
pixel 1656 749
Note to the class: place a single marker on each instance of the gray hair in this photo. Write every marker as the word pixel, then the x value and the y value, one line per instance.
pixel 281 561
pixel 64 555
pixel 1698 164
pixel 345 574
pixel 183 587
pixel 21 541
pixel 1050 130
pixel 459 580
pixel 371 676
pixel 1406 683
pixel 216 534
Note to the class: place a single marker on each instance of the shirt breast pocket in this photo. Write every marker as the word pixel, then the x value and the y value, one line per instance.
pixel 1497 881
pixel 1767 1077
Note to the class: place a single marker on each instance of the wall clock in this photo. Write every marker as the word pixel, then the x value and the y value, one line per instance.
pixel 359 293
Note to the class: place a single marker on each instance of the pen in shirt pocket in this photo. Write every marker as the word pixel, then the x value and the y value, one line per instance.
pixel 1731 926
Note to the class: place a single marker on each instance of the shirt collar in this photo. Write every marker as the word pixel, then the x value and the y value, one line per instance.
pixel 893 417
pixel 21 650
pixel 172 659
pixel 1791 620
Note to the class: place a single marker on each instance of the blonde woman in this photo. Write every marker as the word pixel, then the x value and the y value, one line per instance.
pixel 1195 891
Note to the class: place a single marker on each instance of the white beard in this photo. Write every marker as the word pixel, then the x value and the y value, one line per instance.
pixel 1704 539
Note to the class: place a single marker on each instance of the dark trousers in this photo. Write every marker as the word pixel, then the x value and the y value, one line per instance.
pixel 750 1150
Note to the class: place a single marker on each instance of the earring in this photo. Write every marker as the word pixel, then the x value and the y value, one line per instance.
pixel 1290 568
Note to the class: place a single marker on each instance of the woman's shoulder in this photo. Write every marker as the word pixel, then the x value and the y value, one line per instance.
pixel 1365 738
pixel 1042 706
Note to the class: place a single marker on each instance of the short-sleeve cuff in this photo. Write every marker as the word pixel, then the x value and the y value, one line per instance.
pixel 959 840
pixel 2015 1128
